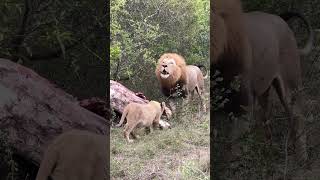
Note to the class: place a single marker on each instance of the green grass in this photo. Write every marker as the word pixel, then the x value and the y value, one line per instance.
pixel 181 152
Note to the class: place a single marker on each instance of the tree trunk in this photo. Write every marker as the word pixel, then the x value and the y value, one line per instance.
pixel 33 111
pixel 120 96
pixel 96 105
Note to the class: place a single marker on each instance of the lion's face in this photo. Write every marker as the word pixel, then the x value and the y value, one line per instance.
pixel 168 66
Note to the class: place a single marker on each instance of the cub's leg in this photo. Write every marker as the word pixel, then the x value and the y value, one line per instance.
pixel 127 131
pixel 126 134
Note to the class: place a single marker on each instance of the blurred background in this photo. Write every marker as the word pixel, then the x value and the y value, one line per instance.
pixel 257 160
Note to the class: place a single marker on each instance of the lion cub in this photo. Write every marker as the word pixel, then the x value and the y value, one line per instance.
pixel 75 155
pixel 141 115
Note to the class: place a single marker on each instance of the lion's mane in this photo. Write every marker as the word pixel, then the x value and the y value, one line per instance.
pixel 179 75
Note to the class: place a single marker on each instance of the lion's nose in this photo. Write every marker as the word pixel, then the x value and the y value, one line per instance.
pixel 164 66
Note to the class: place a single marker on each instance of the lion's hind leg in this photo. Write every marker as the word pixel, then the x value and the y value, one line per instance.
pixel 299 129
pixel 187 99
pixel 296 131
pixel 127 131
pixel 202 104
pixel 265 111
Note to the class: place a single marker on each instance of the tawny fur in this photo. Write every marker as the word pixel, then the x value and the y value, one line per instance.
pixel 167 112
pixel 141 115
pixel 261 49
pixel 189 78
pixel 75 155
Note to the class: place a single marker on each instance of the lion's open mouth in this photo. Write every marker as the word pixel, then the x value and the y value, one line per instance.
pixel 164 74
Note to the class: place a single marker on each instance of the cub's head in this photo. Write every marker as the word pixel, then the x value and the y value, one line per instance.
pixel 169 66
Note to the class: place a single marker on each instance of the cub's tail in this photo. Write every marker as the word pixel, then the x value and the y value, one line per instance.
pixel 124 115
pixel 309 45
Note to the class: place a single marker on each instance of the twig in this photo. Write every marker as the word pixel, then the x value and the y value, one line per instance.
pixel 92 52
pixel 20 34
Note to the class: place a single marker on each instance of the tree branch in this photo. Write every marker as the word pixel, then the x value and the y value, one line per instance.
pixel 20 35
pixel 43 7
pixel 115 74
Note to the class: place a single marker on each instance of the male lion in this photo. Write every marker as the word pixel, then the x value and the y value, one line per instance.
pixel 261 49
pixel 75 155
pixel 141 115
pixel 175 76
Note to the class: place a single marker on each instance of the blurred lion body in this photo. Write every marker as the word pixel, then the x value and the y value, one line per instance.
pixel 141 115
pixel 261 49
pixel 75 155
pixel 174 74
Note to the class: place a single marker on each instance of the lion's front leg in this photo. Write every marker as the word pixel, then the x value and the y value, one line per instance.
pixel 186 101
pixel 242 125
pixel 172 105
pixel 186 96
